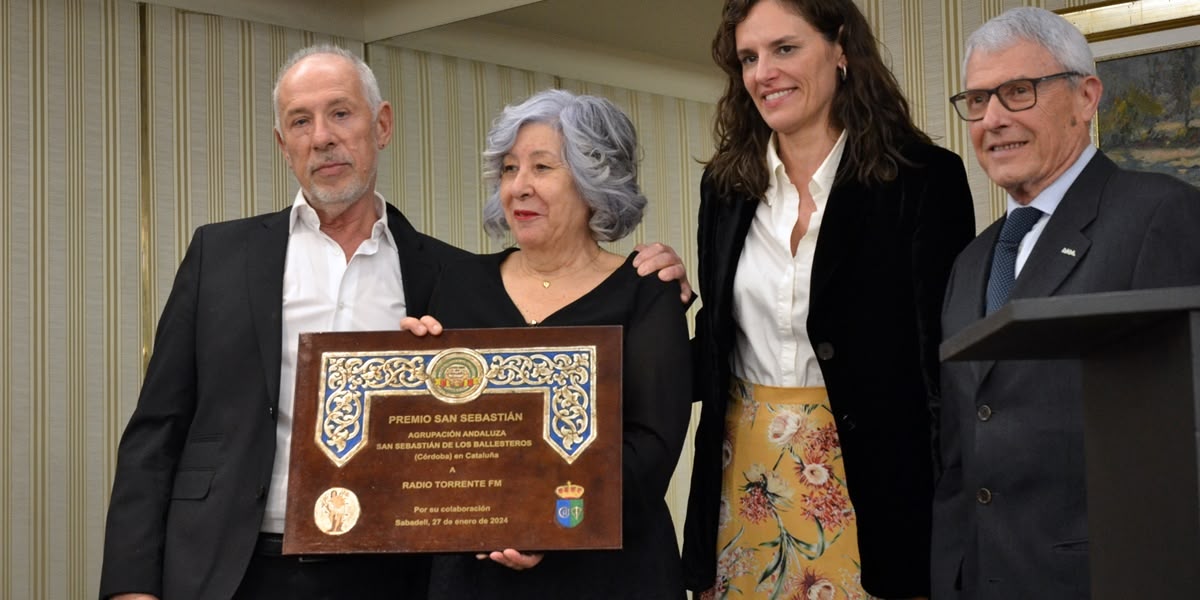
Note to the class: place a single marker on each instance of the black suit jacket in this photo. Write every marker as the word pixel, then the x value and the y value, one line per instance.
pixel 1026 536
pixel 878 276
pixel 194 463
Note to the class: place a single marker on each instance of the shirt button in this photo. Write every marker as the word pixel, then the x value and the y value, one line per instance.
pixel 825 351
pixel 984 412
pixel 984 496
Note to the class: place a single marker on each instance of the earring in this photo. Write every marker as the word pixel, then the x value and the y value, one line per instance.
pixel 842 68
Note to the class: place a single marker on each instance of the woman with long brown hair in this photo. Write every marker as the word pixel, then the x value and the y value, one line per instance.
pixel 828 225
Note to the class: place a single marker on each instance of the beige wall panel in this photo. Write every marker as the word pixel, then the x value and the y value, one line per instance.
pixel 68 262
pixel 17 544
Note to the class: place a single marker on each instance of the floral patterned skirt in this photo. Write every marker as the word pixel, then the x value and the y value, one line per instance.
pixel 787 528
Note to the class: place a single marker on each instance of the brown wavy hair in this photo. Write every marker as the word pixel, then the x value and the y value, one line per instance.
pixel 868 104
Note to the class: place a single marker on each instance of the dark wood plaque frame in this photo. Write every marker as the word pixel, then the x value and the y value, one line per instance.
pixel 474 440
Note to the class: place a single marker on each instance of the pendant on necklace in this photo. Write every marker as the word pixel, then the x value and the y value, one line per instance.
pixel 545 283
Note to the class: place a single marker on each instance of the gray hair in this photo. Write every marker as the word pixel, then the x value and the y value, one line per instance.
pixel 370 87
pixel 1057 35
pixel 599 148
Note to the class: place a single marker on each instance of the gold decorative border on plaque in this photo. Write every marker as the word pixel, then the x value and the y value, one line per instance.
pixel 563 375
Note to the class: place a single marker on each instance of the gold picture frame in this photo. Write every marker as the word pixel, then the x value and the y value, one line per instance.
pixel 1115 19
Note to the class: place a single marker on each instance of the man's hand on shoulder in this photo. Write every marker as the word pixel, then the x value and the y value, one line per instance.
pixel 661 258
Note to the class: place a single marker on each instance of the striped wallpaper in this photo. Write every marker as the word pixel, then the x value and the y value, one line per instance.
pixel 127 125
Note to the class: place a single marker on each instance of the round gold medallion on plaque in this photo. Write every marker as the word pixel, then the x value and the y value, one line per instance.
pixel 336 511
pixel 457 375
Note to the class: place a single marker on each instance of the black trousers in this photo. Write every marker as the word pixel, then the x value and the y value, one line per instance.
pixel 332 577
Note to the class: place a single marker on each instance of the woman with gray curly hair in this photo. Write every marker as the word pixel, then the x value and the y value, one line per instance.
pixel 562 169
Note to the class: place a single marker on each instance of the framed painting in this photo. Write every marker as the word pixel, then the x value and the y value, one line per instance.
pixel 1149 114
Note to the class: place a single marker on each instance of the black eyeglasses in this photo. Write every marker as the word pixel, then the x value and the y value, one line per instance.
pixel 1015 95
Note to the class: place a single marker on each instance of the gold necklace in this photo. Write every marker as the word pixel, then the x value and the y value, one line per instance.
pixel 547 281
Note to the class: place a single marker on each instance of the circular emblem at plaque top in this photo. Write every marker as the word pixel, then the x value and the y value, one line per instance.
pixel 457 375
pixel 336 511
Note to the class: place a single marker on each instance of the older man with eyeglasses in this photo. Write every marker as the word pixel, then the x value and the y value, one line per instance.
pixel 1010 513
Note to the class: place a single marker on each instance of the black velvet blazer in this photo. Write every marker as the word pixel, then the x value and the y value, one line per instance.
pixel 882 259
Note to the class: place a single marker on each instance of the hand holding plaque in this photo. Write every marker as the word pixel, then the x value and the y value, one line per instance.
pixel 473 440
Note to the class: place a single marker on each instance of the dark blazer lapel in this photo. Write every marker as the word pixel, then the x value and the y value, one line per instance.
pixel 266 253
pixel 418 268
pixel 1063 244
pixel 979 254
pixel 732 226
pixel 840 232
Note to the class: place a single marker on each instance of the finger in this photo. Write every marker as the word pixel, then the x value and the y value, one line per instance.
pixel 522 560
pixel 658 262
pixel 414 326
pixel 516 560
pixel 647 252
pixel 532 560
pixel 499 557
pixel 672 272
pixel 685 287
pixel 432 325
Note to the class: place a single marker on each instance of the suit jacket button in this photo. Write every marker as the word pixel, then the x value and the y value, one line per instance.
pixel 984 412
pixel 984 496
pixel 271 411
pixel 825 351
pixel 262 492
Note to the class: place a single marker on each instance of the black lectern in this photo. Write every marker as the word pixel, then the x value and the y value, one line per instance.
pixel 1140 352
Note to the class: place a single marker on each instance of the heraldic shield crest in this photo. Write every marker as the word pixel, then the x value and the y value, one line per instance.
pixel 568 508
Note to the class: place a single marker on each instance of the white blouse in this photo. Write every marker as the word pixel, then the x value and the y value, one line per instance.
pixel 771 287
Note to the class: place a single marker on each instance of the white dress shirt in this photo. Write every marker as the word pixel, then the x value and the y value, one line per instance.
pixel 1047 202
pixel 771 287
pixel 322 291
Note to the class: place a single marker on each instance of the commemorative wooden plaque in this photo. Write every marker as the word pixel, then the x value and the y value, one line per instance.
pixel 474 440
